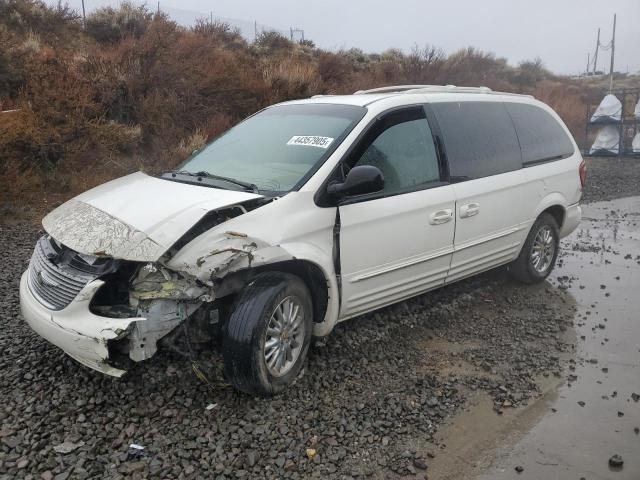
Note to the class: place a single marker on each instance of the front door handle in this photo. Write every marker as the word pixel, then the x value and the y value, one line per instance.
pixel 441 216
pixel 469 210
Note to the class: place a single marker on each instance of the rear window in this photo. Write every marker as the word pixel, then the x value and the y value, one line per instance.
pixel 541 137
pixel 479 139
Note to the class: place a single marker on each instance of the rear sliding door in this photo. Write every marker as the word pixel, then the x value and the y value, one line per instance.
pixel 493 199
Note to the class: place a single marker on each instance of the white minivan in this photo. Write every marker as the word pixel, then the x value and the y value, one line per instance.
pixel 306 214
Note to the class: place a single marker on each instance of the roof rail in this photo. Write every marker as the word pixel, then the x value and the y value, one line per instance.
pixel 436 89
pixel 392 89
pixel 425 89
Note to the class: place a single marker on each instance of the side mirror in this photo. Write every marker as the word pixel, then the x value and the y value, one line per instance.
pixel 360 180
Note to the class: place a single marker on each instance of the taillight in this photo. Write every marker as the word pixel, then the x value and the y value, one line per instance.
pixel 583 172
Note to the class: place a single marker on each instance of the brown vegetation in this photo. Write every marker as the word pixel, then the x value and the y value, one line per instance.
pixel 133 90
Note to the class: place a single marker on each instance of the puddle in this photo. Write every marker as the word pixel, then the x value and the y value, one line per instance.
pixel 581 420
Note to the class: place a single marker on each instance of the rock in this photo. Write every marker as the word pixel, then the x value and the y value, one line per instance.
pixel 635 397
pixel 519 469
pixel 433 402
pixel 290 466
pixel 616 461
pixel 420 463
pixel 251 458
pixel 311 453
pixel 12 442
pixel 67 447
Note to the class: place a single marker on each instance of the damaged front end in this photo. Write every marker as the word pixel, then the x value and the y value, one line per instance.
pixel 109 312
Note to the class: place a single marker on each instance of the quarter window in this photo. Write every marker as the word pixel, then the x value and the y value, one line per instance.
pixel 402 147
pixel 541 136
pixel 479 138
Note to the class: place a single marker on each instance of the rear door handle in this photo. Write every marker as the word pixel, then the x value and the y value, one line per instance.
pixel 441 216
pixel 469 210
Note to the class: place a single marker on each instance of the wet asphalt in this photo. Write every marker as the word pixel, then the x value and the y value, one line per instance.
pixel 595 412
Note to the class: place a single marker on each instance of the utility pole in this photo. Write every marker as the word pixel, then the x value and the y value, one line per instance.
pixel 255 30
pixel 595 56
pixel 84 16
pixel 293 31
pixel 613 51
pixel 211 17
pixel 588 64
pixel 158 8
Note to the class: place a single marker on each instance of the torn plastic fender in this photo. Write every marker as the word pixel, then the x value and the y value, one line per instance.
pixel 234 251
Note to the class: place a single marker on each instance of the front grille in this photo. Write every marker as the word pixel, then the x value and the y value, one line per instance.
pixel 54 277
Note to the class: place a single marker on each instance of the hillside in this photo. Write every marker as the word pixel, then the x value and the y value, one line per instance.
pixel 134 90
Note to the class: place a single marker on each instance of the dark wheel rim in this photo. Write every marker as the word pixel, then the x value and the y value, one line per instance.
pixel 543 250
pixel 285 336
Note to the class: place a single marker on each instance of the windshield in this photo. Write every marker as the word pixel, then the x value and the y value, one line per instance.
pixel 278 147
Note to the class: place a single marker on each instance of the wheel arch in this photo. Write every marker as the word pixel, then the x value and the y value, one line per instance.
pixel 322 286
pixel 554 204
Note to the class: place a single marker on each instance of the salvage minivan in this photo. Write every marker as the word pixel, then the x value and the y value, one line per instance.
pixel 308 213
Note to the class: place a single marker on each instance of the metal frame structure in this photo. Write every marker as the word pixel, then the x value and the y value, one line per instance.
pixel 628 123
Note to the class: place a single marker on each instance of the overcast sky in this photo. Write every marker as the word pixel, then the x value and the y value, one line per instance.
pixel 561 32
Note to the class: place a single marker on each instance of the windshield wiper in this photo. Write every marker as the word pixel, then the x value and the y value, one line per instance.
pixel 246 185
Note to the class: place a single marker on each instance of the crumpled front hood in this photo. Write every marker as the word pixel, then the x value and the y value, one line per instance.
pixel 136 217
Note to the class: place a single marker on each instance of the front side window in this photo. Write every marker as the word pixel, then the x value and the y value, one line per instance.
pixel 402 147
pixel 479 139
pixel 278 147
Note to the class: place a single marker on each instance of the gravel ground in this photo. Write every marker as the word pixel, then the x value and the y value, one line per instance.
pixel 369 403
pixel 612 177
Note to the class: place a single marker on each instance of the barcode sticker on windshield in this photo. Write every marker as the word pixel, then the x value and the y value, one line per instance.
pixel 310 141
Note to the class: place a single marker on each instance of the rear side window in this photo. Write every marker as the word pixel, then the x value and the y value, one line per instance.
pixel 541 137
pixel 479 138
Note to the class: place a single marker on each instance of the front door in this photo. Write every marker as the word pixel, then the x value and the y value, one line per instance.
pixel 396 243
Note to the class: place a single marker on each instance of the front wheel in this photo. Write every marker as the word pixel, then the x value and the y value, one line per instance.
pixel 539 252
pixel 267 335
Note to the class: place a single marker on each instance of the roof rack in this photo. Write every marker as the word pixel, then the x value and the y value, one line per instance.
pixel 432 89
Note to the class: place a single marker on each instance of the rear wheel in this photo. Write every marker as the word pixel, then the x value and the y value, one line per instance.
pixel 267 335
pixel 539 252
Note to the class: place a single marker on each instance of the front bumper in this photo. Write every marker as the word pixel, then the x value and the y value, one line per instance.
pixel 75 329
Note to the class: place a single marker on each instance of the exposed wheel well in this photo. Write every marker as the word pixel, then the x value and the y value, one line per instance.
pixel 309 273
pixel 557 212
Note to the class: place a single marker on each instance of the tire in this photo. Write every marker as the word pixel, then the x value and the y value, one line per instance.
pixel 525 268
pixel 262 304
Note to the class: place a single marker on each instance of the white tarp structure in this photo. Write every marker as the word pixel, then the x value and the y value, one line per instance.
pixel 635 145
pixel 609 110
pixel 636 112
pixel 607 141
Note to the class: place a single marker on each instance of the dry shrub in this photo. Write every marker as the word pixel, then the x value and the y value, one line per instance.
pixel 20 188
pixel 108 24
pixel 289 78
pixel 335 71
pixel 568 101
pixel 220 33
